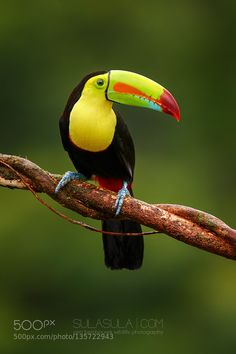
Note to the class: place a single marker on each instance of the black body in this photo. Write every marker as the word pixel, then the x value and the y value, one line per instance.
pixel 117 161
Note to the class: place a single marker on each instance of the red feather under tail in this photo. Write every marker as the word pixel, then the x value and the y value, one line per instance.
pixel 113 184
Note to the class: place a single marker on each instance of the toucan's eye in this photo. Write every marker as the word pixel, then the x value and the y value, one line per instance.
pixel 100 83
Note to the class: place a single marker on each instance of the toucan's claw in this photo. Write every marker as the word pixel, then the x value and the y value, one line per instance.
pixel 123 192
pixel 67 177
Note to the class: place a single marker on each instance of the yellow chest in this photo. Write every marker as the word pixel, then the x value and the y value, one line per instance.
pixel 92 126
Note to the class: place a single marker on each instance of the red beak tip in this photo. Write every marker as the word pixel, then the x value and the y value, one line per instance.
pixel 177 116
pixel 169 105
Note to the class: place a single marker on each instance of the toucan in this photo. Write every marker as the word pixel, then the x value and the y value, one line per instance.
pixel 100 146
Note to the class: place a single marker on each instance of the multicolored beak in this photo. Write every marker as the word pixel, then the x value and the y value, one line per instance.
pixel 136 90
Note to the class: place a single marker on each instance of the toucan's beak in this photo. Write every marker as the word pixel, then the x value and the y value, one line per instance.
pixel 137 90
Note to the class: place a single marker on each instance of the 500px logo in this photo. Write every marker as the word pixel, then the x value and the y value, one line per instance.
pixel 27 325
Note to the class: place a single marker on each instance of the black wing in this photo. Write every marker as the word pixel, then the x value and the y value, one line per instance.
pixel 64 131
pixel 124 147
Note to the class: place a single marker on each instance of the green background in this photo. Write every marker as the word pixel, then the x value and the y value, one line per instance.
pixel 50 269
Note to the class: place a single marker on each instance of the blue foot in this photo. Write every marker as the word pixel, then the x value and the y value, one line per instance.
pixel 123 192
pixel 69 176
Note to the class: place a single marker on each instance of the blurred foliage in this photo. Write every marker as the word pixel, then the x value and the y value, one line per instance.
pixel 51 269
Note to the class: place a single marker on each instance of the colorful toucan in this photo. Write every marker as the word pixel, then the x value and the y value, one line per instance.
pixel 100 145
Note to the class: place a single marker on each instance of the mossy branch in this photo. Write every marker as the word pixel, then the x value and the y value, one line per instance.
pixel 194 227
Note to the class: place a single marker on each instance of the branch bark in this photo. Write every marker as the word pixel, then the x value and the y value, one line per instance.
pixel 194 227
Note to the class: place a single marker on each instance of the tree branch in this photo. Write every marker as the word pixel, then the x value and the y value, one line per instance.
pixel 185 224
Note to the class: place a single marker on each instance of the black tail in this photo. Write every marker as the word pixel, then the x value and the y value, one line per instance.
pixel 122 251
